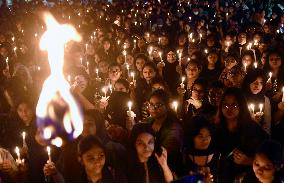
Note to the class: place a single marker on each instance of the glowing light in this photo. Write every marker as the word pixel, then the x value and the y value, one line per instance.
pixel 56 109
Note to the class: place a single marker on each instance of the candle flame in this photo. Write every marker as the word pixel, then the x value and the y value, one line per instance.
pixel 56 109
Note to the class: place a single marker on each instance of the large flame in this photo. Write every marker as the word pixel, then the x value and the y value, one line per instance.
pixel 57 112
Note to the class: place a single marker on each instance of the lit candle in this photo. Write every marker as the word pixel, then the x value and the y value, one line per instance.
pixel 255 65
pixel 175 105
pixel 270 77
pixel 13 39
pixel 150 50
pixel 127 67
pixel 206 51
pixel 160 54
pixel 24 138
pixel 182 82
pixel 245 65
pixel 252 108
pixel 134 43
pixel 260 108
pixel 179 56
pixel 38 68
pixel 200 37
pixel 17 151
pixel 81 59
pixel 133 76
pixel 48 149
pixel 88 71
pixel 159 42
pixel 283 94
pixel 97 73
pixel 129 105
pixel 7 63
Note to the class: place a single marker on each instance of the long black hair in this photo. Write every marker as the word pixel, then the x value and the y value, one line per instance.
pixel 244 114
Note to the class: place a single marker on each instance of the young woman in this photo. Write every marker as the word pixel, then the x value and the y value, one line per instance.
pixel 212 68
pixel 168 131
pixel 199 156
pixel 145 163
pixel 253 86
pixel 198 102
pixel 267 165
pixel 139 63
pixel 236 136
pixel 274 64
pixel 143 87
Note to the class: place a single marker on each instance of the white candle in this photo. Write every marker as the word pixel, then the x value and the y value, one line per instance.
pixel 129 105
pixel 252 108
pixel 97 72
pixel 255 65
pixel 24 137
pixel 245 65
pixel 7 63
pixel 127 67
pixel 69 78
pixel 200 37
pixel 133 76
pixel 270 76
pixel 206 51
pixel 17 151
pixel 260 108
pixel 160 54
pixel 81 59
pixel 48 149
pixel 134 43
pixel 182 82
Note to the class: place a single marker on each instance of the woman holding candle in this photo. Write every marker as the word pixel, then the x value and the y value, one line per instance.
pixel 236 136
pixel 254 90
pixel 212 66
pixel 168 131
pixel 145 162
pixel 192 70
pixel 274 64
pixel 139 62
pixel 143 87
pixel 83 90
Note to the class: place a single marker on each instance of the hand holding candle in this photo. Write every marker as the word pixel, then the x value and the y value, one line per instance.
pixel 130 113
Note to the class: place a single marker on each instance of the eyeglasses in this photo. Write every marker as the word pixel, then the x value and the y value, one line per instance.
pixel 230 106
pixel 154 106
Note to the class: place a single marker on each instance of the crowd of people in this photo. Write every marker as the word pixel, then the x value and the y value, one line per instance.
pixel 170 91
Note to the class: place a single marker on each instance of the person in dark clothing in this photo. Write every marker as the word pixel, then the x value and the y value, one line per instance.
pixel 267 164
pixel 199 156
pixel 147 162
pixel 237 136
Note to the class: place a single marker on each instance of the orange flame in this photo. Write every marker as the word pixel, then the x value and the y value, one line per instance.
pixel 55 94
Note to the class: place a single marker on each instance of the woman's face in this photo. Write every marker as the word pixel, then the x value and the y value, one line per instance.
pixel 25 112
pixel 212 58
pixel 106 45
pixel 230 107
pixel 171 57
pixel 274 61
pixel 144 145
pixel 247 59
pixel 256 86
pixel 215 95
pixel 103 67
pixel 93 160
pixel 81 82
pixel 230 62
pixel 202 139
pixel 139 64
pixel 114 73
pixel 197 92
pixel 263 168
pixel 120 87
pixel 157 108
pixel 192 71
pixel 148 73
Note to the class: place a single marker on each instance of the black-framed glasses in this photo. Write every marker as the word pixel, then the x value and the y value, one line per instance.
pixel 154 106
